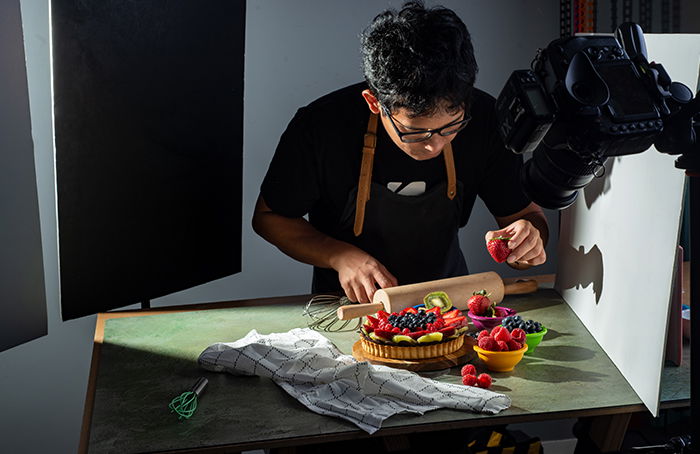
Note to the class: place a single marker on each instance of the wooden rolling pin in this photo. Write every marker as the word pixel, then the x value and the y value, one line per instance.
pixel 459 289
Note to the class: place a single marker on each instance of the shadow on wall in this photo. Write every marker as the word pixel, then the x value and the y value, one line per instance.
pixel 589 266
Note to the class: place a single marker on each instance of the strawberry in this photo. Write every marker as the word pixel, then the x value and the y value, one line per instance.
pixel 452 313
pixel 372 321
pixel 484 381
pixel 369 328
pixel 457 322
pixel 447 331
pixel 468 369
pixel 434 310
pixel 498 248
pixel 417 334
pixel 469 380
pixel 480 304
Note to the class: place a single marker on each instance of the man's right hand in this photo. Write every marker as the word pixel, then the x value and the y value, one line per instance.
pixel 360 273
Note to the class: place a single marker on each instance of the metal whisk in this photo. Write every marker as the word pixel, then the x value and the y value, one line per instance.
pixel 322 310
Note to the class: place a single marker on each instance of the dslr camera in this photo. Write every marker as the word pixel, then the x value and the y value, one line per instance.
pixel 586 98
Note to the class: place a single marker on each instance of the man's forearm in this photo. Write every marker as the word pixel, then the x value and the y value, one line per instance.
pixel 297 238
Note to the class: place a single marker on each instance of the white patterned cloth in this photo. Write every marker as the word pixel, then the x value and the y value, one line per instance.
pixel 312 370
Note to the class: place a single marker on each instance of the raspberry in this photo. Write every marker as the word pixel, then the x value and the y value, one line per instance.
pixel 514 345
pixel 518 335
pixel 488 343
pixel 469 380
pixel 469 369
pixel 502 335
pixel 484 381
pixel 482 333
pixel 502 346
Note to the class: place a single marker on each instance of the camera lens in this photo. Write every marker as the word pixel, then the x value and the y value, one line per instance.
pixel 552 178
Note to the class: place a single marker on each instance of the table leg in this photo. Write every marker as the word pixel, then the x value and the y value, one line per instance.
pixel 601 434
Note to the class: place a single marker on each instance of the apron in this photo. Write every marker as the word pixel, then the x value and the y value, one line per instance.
pixel 414 237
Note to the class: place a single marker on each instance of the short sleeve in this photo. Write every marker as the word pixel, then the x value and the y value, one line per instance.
pixel 500 187
pixel 291 187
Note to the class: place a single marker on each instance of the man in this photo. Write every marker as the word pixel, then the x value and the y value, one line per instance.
pixel 388 170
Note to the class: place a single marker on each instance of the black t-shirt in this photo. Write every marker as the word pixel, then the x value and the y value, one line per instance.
pixel 317 161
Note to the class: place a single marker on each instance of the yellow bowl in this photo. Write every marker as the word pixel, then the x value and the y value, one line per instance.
pixel 500 361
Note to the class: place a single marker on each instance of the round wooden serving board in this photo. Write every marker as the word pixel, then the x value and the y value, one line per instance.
pixel 456 358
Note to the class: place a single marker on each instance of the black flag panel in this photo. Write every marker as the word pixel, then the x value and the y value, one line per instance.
pixel 148 105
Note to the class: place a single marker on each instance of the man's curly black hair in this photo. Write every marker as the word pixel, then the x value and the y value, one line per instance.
pixel 418 58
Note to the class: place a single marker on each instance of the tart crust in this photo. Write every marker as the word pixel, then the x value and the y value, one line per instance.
pixel 412 352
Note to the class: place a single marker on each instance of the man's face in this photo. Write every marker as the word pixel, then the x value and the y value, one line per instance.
pixel 404 123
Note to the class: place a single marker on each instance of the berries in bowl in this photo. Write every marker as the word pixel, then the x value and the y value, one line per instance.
pixel 534 331
pixel 484 313
pixel 500 349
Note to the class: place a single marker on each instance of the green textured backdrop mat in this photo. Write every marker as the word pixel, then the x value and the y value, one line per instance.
pixel 145 361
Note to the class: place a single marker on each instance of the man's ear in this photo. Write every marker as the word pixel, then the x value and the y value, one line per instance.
pixel 372 101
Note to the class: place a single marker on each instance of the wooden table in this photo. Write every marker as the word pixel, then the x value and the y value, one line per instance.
pixel 142 359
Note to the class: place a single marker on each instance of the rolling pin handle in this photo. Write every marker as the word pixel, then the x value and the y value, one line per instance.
pixel 521 287
pixel 358 310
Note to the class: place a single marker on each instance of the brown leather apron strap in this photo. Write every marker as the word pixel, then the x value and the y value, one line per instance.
pixel 451 176
pixel 363 188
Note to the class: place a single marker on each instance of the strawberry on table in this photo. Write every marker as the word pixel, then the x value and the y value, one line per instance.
pixel 498 248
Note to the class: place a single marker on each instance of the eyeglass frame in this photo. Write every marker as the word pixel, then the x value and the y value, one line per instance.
pixel 463 123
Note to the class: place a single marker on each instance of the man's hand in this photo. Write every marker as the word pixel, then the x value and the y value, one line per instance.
pixel 526 245
pixel 360 273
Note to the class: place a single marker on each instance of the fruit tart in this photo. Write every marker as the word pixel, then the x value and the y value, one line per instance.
pixel 414 333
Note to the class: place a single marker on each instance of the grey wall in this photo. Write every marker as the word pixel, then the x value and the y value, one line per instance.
pixel 23 302
pixel 295 51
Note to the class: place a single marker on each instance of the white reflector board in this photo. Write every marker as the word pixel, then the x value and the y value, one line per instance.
pixel 618 242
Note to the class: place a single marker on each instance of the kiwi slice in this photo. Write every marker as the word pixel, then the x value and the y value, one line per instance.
pixel 403 338
pixel 430 337
pixel 438 299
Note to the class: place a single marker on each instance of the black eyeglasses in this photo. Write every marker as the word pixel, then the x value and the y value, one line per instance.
pixel 425 134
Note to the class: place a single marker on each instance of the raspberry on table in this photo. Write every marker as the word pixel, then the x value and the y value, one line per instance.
pixel 484 381
pixel 469 380
pixel 468 369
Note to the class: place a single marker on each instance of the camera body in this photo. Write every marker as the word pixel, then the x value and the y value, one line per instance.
pixel 586 98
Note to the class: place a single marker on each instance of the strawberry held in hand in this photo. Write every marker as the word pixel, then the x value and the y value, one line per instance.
pixel 481 305
pixel 498 248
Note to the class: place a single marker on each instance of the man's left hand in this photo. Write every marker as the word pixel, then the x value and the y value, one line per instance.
pixel 525 243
